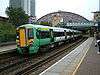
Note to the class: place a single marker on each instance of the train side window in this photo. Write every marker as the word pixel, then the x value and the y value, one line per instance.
pixel 58 34
pixel 30 33
pixel 69 33
pixel 43 34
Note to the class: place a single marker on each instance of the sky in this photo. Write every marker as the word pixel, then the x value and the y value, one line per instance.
pixel 43 7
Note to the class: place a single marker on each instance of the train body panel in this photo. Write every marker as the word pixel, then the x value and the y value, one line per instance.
pixel 57 39
pixel 44 41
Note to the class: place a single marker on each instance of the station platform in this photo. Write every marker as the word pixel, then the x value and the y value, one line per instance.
pixel 83 60
pixel 8 48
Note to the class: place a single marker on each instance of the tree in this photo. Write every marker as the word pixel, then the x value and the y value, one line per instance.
pixel 7 32
pixel 17 16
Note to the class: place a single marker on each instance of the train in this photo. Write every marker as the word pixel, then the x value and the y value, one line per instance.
pixel 31 38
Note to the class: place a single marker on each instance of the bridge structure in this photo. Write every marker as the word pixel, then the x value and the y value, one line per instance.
pixel 79 26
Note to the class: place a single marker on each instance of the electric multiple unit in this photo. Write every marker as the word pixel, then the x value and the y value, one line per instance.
pixel 30 38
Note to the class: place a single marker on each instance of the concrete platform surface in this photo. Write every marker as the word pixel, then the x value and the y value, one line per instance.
pixel 69 64
pixel 91 63
pixel 8 48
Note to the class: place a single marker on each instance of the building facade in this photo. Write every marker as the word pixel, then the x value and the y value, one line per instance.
pixel 27 5
pixel 97 18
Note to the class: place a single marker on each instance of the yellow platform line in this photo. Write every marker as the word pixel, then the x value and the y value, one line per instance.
pixel 80 62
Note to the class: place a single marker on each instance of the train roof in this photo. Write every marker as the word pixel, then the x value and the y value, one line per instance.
pixel 33 25
pixel 48 27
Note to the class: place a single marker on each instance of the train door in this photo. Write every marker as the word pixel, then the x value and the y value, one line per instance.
pixel 65 34
pixel 22 37
pixel 73 35
pixel 51 34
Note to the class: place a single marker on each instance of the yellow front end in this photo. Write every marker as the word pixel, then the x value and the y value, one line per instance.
pixel 24 40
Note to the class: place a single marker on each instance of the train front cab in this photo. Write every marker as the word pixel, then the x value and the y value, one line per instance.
pixel 25 41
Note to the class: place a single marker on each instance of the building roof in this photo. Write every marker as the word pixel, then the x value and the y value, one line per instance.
pixel 68 17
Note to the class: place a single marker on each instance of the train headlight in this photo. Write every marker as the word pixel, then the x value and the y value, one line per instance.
pixel 18 44
pixel 31 41
pixel 17 41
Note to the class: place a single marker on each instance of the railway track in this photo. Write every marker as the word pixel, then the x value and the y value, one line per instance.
pixel 27 65
pixel 35 69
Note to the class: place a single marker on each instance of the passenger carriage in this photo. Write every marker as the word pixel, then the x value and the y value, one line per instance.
pixel 30 38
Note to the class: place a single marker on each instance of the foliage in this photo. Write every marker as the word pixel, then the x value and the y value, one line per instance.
pixel 17 16
pixel 7 32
